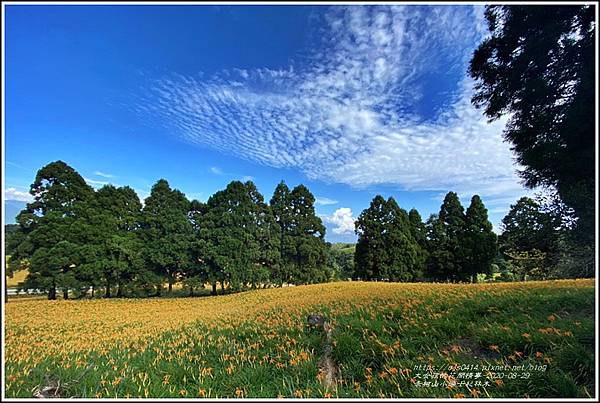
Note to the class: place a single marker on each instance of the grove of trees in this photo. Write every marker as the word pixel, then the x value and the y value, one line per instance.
pixel 73 238
pixel 76 240
pixel 451 246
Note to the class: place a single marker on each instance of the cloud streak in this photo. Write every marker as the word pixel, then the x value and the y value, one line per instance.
pixel 350 113
pixel 104 175
pixel 324 201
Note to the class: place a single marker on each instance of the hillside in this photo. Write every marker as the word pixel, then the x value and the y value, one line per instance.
pixel 533 339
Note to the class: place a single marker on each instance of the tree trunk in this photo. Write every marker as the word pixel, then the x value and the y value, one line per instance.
pixel 93 289
pixel 191 291
pixel 107 293
pixel 170 286
pixel 52 292
pixel 222 287
pixel 65 293
pixel 5 287
pixel 214 288
pixel 119 290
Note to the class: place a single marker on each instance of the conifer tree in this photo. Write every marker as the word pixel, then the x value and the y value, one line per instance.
pixel 308 238
pixel 479 240
pixel 166 233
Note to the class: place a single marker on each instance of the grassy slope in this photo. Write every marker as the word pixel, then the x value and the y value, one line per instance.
pixel 255 344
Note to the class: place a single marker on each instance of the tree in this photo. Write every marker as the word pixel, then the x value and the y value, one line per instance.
pixel 235 235
pixel 446 234
pixel 405 258
pixel 538 66
pixel 307 238
pixel 167 233
pixel 109 224
pixel 281 209
pixel 479 240
pixel 526 227
pixel 418 231
pixel 386 248
pixel 57 192
pixel 371 253
pixel 198 270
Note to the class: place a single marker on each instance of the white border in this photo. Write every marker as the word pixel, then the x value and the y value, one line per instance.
pixel 274 3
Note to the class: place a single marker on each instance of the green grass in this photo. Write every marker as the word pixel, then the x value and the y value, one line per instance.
pixel 378 345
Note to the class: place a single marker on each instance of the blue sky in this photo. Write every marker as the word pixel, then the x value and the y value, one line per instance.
pixel 351 101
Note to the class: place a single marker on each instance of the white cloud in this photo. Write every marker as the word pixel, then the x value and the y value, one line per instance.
pixel 246 178
pixel 350 116
pixel 14 194
pixel 104 175
pixel 324 201
pixel 343 220
pixel 94 182
pixel 216 170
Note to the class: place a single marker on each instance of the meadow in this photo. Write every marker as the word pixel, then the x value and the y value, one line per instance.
pixel 528 339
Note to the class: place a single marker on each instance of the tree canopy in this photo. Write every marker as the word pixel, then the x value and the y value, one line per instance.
pixel 537 66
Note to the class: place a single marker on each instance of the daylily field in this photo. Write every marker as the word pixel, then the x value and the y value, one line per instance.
pixel 533 339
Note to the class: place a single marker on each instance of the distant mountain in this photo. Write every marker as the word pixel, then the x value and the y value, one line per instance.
pixel 11 209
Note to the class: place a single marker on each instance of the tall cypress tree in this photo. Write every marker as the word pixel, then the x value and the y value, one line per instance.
pixel 479 240
pixel 419 234
pixel 446 231
pixel 405 259
pixel 167 233
pixel 281 209
pixel 371 253
pixel 308 238
pixel 233 235
pixel 386 247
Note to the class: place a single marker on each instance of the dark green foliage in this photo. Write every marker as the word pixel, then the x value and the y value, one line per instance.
pixel 544 230
pixel 306 239
pixel 237 237
pixel 527 227
pixel 281 209
pixel 110 227
pixel 386 248
pixel 446 235
pixel 480 242
pixel 167 233
pixel 538 66
pixel 45 224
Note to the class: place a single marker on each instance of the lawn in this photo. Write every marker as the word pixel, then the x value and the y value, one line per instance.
pixel 533 339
